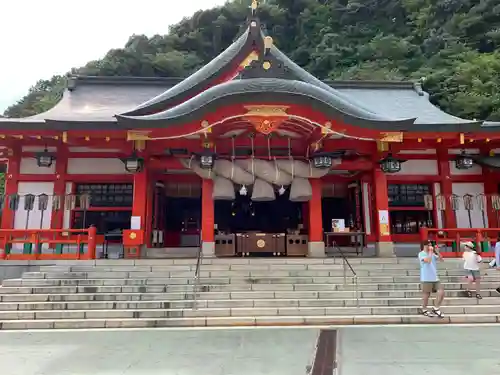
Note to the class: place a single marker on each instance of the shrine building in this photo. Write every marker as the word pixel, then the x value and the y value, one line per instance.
pixel 249 155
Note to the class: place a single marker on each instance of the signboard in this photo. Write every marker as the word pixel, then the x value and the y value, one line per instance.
pixel 383 220
pixel 338 225
pixel 135 222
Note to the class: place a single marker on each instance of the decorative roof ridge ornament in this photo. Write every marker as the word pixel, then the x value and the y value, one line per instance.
pixel 267 65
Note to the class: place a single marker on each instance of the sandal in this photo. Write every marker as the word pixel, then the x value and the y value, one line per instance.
pixel 478 296
pixel 469 294
pixel 425 312
pixel 437 312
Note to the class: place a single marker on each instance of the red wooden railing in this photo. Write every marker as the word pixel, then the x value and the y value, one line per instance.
pixel 450 238
pixel 32 240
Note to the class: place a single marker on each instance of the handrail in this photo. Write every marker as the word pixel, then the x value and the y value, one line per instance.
pixel 454 236
pixel 33 239
pixel 196 278
pixel 354 274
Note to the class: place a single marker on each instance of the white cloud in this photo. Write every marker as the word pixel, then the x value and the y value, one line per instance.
pixel 41 38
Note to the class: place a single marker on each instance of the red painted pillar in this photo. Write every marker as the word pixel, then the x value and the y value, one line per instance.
pixel 140 202
pixel 11 186
pixel 450 221
pixel 207 218
pixel 384 245
pixel 57 218
pixel 316 244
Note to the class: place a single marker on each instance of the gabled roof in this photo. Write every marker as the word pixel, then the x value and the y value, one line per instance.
pixel 279 79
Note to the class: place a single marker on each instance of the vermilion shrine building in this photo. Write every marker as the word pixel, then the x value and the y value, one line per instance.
pixel 250 154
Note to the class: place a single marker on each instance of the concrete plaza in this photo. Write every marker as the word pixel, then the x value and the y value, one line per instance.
pixel 397 350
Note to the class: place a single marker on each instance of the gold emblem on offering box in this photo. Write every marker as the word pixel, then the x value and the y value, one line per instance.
pixel 261 244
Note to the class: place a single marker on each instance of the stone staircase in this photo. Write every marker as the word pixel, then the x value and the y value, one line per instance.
pixel 234 292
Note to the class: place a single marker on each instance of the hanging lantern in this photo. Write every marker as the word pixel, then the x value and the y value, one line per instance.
pixel 495 202
pixel 441 202
pixel 43 202
pixel 322 160
pixel 45 159
pixel 428 202
pixel 463 161
pixel 207 159
pixel 454 202
pixel 391 164
pixel 468 202
pixel 281 190
pixel 133 163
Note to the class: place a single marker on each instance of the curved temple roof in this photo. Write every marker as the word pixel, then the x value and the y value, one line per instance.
pixel 267 90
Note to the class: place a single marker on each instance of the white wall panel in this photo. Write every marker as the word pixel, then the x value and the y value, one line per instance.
pixel 38 149
pixel 35 216
pixel 428 151
pixel 473 188
pixel 95 166
pixel 416 167
pixel 29 166
pixel 91 149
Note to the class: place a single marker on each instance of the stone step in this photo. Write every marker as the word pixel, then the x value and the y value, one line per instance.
pixel 236 260
pixel 493 277
pixel 243 264
pixel 237 311
pixel 242 321
pixel 231 303
pixel 278 288
pixel 274 283
pixel 235 274
pixel 214 296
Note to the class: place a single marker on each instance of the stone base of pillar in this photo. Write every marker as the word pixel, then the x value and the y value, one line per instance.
pixel 385 249
pixel 316 249
pixel 208 249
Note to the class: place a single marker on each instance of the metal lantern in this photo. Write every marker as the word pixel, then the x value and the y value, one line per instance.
pixel 391 164
pixel 207 159
pixel 45 159
pixel 463 161
pixel 133 163
pixel 322 160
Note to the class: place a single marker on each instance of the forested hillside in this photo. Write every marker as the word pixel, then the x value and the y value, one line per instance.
pixel 453 46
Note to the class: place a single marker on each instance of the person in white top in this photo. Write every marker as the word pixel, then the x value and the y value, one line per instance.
pixel 472 260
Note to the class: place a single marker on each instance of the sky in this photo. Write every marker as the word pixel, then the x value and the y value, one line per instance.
pixel 41 38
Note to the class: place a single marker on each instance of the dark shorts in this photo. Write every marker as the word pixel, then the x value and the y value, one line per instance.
pixel 474 273
pixel 431 287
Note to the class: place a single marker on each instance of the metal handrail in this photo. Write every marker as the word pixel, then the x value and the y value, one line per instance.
pixel 355 276
pixel 196 277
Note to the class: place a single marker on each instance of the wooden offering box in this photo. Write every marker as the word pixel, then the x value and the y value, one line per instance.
pixel 250 243
pixel 225 245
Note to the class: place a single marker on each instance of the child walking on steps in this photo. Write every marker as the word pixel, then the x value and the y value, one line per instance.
pixel 472 261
